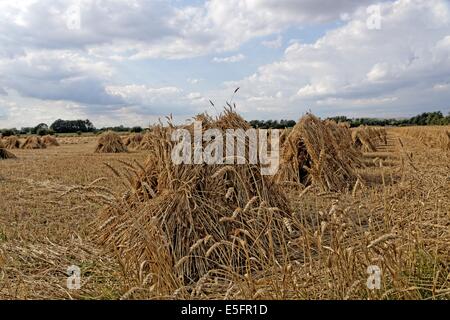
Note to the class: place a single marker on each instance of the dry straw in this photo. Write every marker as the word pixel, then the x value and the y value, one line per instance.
pixel 181 222
pixel 367 138
pixel 5 154
pixel 110 142
pixel 320 153
pixel 147 142
pixel 33 142
pixel 12 142
pixel 133 141
pixel 433 137
pixel 50 141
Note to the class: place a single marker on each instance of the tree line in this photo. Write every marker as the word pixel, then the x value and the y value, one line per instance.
pixel 272 124
pixel 66 126
pixel 424 119
pixel 84 126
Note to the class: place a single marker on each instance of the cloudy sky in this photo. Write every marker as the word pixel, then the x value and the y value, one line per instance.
pixel 133 61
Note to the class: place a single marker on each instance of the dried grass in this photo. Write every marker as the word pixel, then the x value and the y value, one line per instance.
pixel 133 141
pixel 5 154
pixel 329 241
pixel 33 142
pixel 179 223
pixel 110 142
pixel 321 153
pixel 432 137
pixel 11 142
pixel 50 141
pixel 367 138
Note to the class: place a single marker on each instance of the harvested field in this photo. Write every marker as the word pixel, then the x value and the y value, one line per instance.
pixel 140 227
pixel 235 151
pixel 5 154
pixel 50 141
pixel 33 142
pixel 11 142
pixel 110 142
pixel 368 139
pixel 146 142
pixel 133 141
pixel 320 153
pixel 432 137
pixel 217 206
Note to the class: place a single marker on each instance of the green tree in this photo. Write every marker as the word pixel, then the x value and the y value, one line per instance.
pixel 72 126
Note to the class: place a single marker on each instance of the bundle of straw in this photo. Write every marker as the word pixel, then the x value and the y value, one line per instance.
pixel 33 143
pixel 12 142
pixel 110 142
pixel 319 153
pixel 50 141
pixel 179 222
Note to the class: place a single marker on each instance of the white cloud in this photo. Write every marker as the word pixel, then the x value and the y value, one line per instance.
pixel 57 75
pixel 273 44
pixel 442 87
pixel 85 73
pixel 378 72
pixel 230 59
pixel 23 112
pixel 157 100
pixel 146 96
pixel 195 96
pixel 150 29
pixel 368 67
pixel 193 80
pixel 143 92
pixel 318 89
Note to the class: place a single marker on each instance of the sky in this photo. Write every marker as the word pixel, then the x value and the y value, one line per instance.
pixel 132 62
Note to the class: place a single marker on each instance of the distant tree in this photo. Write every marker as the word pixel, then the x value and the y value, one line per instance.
pixel 120 128
pixel 41 126
pixel 26 130
pixel 41 129
pixel 272 124
pixel 137 129
pixel 287 124
pixel 423 119
pixel 9 132
pixel 291 124
pixel 44 132
pixel 89 125
pixel 339 119
pixel 72 126
pixel 255 123
pixel 446 120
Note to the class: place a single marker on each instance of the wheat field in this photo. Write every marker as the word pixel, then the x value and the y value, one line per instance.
pixel 373 197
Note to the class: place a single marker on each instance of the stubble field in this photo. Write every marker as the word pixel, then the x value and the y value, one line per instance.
pixel 397 220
